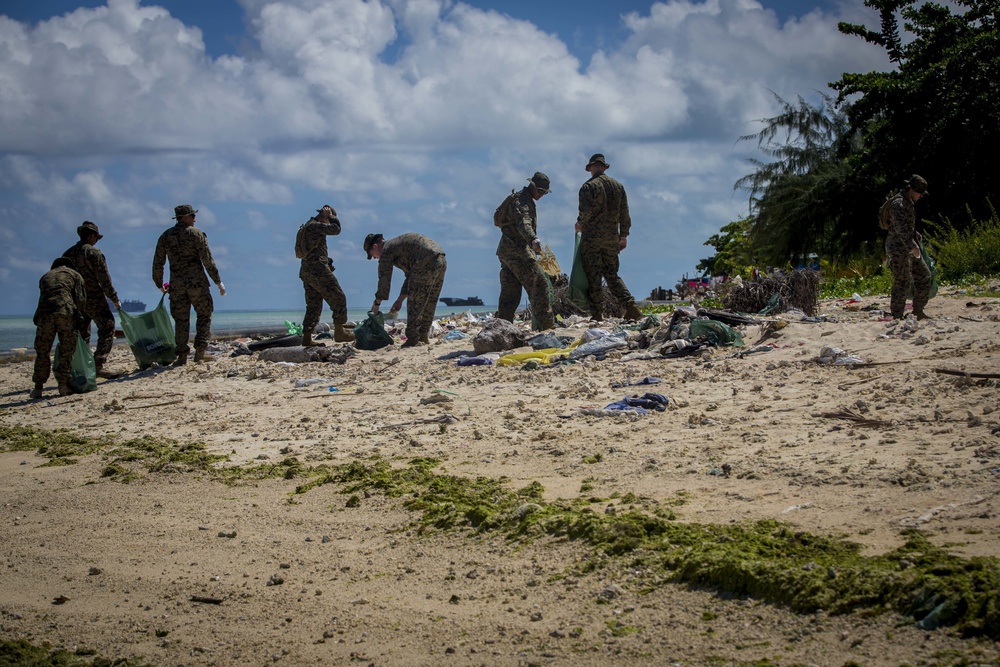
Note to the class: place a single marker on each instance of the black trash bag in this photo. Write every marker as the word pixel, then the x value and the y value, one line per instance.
pixel 371 334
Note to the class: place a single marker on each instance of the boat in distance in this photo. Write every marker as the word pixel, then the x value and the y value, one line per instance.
pixel 467 301
pixel 131 306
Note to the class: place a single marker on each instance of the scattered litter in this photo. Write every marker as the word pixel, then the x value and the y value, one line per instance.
pixel 836 356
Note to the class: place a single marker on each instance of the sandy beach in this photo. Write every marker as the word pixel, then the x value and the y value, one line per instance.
pixel 126 552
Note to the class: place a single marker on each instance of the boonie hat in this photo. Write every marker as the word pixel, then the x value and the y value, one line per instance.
pixel 597 158
pixel 541 181
pixel 182 210
pixel 88 228
pixel 332 209
pixel 918 184
pixel 371 240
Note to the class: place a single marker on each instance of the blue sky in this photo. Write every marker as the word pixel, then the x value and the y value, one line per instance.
pixel 405 115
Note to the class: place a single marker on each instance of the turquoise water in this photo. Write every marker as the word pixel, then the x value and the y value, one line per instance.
pixel 17 331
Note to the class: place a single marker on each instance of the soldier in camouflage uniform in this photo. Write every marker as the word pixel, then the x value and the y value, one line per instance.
pixel 89 262
pixel 604 224
pixel 186 248
pixel 62 298
pixel 518 250
pixel 316 273
pixel 423 264
pixel 903 249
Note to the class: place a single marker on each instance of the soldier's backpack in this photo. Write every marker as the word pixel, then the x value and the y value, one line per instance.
pixel 500 218
pixel 885 212
pixel 301 251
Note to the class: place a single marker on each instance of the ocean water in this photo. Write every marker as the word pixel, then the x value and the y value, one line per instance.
pixel 18 332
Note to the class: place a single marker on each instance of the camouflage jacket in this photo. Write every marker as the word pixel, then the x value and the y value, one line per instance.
pixel 186 248
pixel 902 218
pixel 603 210
pixel 89 262
pixel 61 293
pixel 412 253
pixel 315 238
pixel 520 229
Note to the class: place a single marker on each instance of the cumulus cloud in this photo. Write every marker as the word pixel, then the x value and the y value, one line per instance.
pixel 405 114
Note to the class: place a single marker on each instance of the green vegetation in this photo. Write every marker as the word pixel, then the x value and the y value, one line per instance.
pixel 766 560
pixel 829 163
pixel 967 253
pixel 24 654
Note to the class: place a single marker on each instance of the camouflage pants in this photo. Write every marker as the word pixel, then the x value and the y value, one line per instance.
pixel 906 268
pixel 516 272
pixel 602 262
pixel 99 313
pixel 321 285
pixel 421 302
pixel 182 299
pixel 45 335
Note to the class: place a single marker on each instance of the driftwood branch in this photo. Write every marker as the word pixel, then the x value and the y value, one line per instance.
pixel 440 419
pixel 860 420
pixel 947 371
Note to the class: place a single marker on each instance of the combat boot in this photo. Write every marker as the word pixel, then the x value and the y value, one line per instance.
pixel 202 357
pixel 633 313
pixel 36 392
pixel 182 358
pixel 425 338
pixel 64 389
pixel 107 375
pixel 341 334
pixel 307 340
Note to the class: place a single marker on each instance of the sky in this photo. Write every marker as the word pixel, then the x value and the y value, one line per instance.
pixel 404 115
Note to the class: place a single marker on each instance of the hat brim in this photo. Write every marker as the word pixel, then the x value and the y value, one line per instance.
pixel 591 164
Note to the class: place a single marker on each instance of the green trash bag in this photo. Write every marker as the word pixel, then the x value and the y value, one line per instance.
pixel 150 336
pixel 717 333
pixel 578 285
pixel 371 334
pixel 83 377
pixel 931 267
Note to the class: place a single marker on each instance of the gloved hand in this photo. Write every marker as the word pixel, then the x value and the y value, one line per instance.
pixel 392 314
pixel 222 289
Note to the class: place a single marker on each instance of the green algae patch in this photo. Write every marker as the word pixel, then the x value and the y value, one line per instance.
pixel 59 445
pixel 152 454
pixel 21 653
pixel 766 560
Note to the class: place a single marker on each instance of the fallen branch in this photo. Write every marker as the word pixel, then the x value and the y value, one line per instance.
pixel 331 394
pixel 931 513
pixel 988 376
pixel 157 405
pixel 440 419
pixel 205 599
pixel 844 385
pixel 860 420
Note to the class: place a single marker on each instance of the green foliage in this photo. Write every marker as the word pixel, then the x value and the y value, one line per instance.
pixel 22 653
pixel 972 251
pixel 732 251
pixel 797 199
pixel 864 285
pixel 936 113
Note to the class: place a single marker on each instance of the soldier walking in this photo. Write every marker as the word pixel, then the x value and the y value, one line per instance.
pixel 604 225
pixel 316 273
pixel 423 265
pixel 518 252
pixel 186 248
pixel 89 262
pixel 61 300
